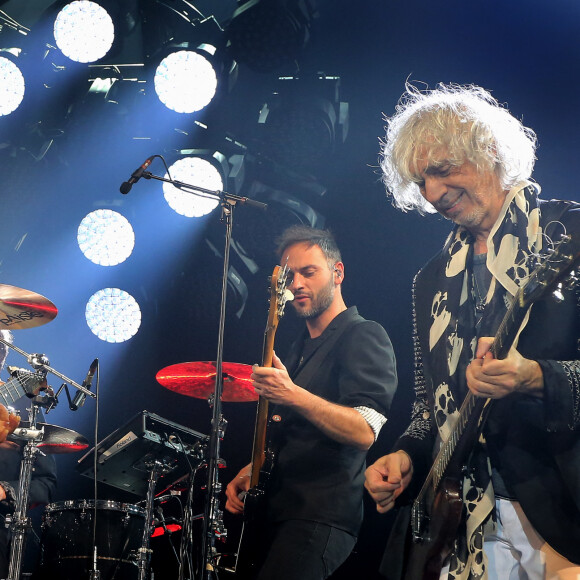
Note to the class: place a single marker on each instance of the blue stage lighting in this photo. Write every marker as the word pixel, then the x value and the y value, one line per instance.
pixel 113 315
pixel 11 86
pixel 106 237
pixel 186 81
pixel 84 31
pixel 195 171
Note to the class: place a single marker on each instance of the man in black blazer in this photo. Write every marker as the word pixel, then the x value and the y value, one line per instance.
pixel 329 401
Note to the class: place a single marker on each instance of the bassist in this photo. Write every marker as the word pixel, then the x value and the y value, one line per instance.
pixel 331 397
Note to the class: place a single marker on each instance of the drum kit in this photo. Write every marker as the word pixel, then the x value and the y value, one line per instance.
pixel 101 539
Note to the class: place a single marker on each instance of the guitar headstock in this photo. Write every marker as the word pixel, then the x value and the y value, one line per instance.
pixel 552 271
pixel 279 294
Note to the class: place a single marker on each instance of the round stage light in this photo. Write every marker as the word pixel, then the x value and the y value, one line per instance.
pixel 84 31
pixel 11 86
pixel 113 315
pixel 185 81
pixel 106 237
pixel 194 171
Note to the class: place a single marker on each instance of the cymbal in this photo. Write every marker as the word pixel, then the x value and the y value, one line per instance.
pixel 56 439
pixel 197 379
pixel 21 308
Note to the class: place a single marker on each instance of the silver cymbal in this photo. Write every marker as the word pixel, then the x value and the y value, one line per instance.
pixel 21 308
pixel 56 439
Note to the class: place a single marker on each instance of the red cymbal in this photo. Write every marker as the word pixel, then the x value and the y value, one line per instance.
pixel 197 379
pixel 21 308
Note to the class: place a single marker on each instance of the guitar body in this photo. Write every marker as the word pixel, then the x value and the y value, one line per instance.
pixel 426 555
pixel 253 532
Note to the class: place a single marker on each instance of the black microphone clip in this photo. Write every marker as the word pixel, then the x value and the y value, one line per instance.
pixel 136 176
pixel 80 397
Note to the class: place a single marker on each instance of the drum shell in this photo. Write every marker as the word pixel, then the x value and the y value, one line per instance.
pixel 68 532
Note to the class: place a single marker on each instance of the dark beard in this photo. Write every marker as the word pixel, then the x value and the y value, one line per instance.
pixel 322 302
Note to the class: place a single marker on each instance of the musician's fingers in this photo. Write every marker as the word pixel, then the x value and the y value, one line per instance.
pixel 234 507
pixel 483 346
pixel 386 504
pixel 277 363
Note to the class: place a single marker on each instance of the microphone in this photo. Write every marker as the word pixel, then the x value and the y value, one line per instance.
pixel 80 397
pixel 136 176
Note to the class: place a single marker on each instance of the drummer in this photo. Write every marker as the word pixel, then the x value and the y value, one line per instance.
pixel 42 485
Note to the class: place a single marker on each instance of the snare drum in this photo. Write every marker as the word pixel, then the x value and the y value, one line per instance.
pixel 68 539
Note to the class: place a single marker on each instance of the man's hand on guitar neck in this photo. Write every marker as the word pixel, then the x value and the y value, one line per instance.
pixel 236 489
pixel 494 379
pixel 387 478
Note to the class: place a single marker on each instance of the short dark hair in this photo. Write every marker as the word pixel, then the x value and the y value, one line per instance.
pixel 312 237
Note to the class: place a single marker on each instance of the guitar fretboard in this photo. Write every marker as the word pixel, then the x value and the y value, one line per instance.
pixel 20 384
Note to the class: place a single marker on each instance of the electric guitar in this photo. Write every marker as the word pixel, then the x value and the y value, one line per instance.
pixel 436 512
pixel 263 454
pixel 21 383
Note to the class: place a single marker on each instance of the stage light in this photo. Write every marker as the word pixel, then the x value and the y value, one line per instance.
pixel 255 236
pixel 106 237
pixel 84 31
pixel 12 85
pixel 113 315
pixel 185 81
pixel 265 34
pixel 304 122
pixel 208 171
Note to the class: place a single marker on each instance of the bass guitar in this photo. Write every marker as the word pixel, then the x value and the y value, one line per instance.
pixel 263 454
pixel 436 512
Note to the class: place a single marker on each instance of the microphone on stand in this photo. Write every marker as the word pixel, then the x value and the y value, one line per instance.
pixel 80 397
pixel 136 176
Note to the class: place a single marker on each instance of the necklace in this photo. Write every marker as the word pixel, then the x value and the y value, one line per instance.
pixel 479 297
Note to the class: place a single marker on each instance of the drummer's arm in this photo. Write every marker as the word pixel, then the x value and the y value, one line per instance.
pixel 10 453
pixel 43 482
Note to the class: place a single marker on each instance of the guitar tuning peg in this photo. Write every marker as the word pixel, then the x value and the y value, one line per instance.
pixel 571 280
pixel 557 293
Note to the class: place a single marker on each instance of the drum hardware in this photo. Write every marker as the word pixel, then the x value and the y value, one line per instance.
pixel 212 521
pixel 140 454
pixel 91 538
pixel 58 440
pixel 157 468
pixel 40 363
pixel 23 309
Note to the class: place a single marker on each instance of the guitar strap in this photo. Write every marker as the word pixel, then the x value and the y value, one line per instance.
pixel 301 372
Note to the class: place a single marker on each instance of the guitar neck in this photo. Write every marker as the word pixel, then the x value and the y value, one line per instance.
pixel 259 443
pixel 456 448
pixel 11 391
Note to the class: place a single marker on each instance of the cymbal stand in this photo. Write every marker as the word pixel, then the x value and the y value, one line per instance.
pixel 19 521
pixel 213 526
pixel 158 468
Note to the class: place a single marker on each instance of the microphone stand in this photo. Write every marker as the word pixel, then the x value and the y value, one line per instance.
pixel 213 526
